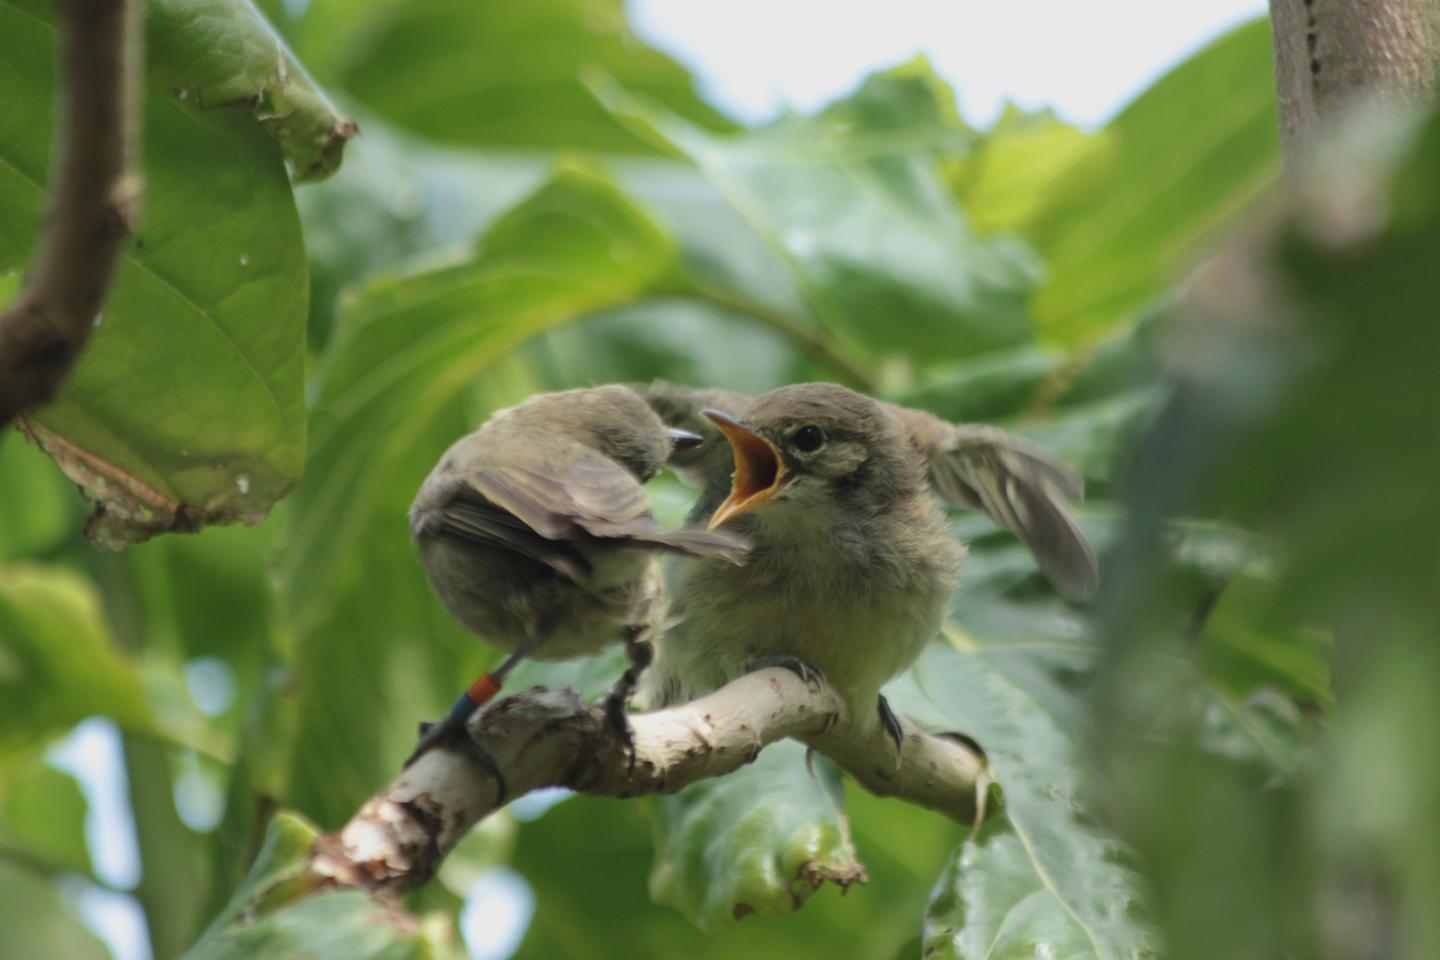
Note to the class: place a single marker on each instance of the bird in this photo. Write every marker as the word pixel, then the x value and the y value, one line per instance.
pixel 851 561
pixel 534 533
pixel 974 466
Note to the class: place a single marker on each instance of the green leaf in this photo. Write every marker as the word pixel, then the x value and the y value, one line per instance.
pixel 493 75
pixel 187 406
pixel 42 817
pixel 1053 872
pixel 223 53
pixel 852 202
pixel 38 512
pixel 58 664
pixel 1007 179
pixel 37 923
pixel 758 841
pixel 1175 168
pixel 413 365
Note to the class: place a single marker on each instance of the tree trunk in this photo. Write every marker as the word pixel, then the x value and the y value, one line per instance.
pixel 1331 55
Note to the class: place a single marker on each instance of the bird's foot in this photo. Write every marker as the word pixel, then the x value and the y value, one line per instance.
pixel 617 714
pixel 804 669
pixel 966 741
pixel 892 726
pixel 451 732
pixel 617 717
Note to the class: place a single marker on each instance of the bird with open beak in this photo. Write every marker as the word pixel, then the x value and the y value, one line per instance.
pixel 852 561
pixel 535 533
pixel 974 466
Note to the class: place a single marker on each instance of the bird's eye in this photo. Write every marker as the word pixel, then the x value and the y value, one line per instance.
pixel 808 439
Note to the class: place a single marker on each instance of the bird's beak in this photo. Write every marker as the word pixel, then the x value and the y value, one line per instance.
pixel 759 471
pixel 683 440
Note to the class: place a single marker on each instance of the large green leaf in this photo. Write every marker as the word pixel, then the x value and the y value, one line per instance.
pixel 57 661
pixel 492 74
pixel 1173 170
pixel 187 407
pixel 414 365
pixel 853 203
pixel 758 841
pixel 1058 878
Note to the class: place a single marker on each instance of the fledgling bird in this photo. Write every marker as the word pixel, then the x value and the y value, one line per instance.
pixel 534 532
pixel 968 465
pixel 851 565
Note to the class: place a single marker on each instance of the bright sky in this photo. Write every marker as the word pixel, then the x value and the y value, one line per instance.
pixel 755 57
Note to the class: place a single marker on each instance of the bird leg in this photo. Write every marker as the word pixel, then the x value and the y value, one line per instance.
pixel 804 669
pixel 641 653
pixel 451 728
pixel 891 723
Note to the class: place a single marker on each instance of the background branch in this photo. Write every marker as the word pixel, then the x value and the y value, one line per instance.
pixel 92 202
pixel 541 738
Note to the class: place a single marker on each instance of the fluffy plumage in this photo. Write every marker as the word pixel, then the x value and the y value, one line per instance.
pixel 851 565
pixel 536 524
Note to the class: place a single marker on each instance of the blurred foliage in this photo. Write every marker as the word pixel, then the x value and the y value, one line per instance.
pixel 1223 758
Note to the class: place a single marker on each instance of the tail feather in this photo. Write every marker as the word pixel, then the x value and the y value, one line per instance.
pixel 697 543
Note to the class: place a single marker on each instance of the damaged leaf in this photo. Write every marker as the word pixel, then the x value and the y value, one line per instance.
pixel 759 841
pixel 224 52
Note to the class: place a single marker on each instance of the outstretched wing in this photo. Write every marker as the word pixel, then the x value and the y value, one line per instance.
pixel 1023 491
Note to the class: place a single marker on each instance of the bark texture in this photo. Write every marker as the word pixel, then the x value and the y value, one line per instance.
pixel 1332 55
pixel 541 738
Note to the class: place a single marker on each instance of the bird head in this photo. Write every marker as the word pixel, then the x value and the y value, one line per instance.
pixel 815 451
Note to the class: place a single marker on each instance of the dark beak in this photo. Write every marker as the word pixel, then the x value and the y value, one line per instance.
pixel 759 470
pixel 683 440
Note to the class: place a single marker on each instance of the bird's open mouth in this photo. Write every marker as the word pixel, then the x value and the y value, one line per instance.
pixel 759 472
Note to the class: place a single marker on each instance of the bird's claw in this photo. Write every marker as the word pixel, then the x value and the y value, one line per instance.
pixel 618 718
pixel 451 732
pixel 892 726
pixel 803 669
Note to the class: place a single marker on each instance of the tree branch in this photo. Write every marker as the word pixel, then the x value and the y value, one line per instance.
pixel 1333 54
pixel 92 204
pixel 541 738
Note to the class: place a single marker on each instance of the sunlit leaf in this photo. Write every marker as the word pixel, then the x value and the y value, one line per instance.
pixel 420 66
pixel 1176 168
pixel 42 817
pixel 852 202
pixel 58 664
